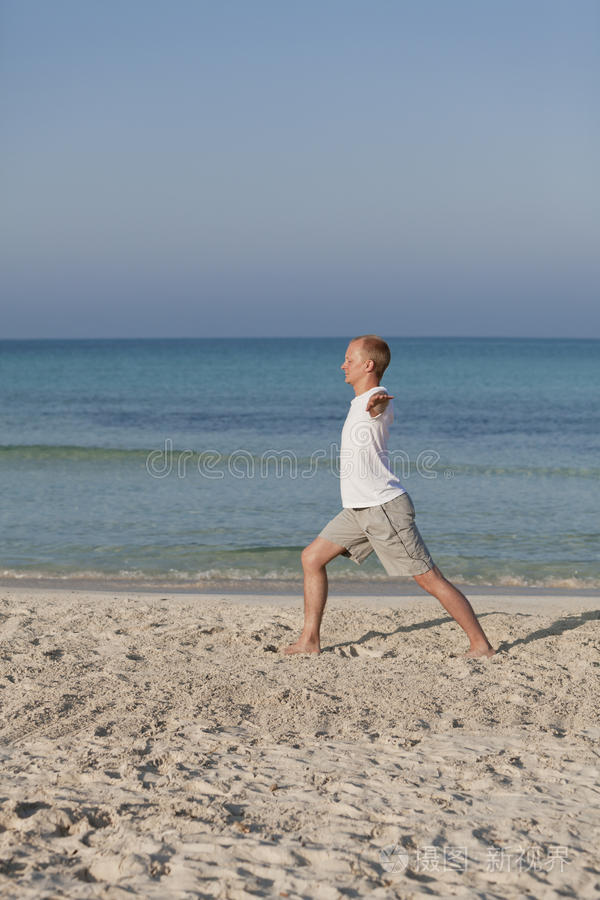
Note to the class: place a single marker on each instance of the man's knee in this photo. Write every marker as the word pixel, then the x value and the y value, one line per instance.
pixel 311 558
pixel 317 555
pixel 430 579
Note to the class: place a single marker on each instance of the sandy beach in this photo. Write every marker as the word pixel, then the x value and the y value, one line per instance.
pixel 159 745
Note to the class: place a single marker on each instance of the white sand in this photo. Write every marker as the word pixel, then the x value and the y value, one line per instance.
pixel 159 747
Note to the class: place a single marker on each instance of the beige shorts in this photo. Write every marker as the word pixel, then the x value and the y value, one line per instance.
pixel 389 530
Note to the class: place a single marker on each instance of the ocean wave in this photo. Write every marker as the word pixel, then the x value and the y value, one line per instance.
pixel 243 463
pixel 576 583
pixel 214 576
pixel 69 452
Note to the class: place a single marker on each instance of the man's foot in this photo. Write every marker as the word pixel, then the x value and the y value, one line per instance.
pixel 302 646
pixel 476 652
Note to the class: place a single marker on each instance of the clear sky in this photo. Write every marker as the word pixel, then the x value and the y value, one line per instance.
pixel 299 167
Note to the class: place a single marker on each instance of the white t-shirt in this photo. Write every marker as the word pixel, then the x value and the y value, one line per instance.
pixel 365 476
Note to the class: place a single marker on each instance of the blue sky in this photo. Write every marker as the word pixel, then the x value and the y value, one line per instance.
pixel 300 168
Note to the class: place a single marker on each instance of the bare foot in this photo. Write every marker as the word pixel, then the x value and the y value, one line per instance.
pixel 476 652
pixel 302 647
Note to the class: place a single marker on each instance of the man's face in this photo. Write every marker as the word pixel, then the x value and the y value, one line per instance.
pixel 354 363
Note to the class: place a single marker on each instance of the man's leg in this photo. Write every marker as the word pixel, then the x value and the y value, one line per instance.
pixel 314 559
pixel 459 608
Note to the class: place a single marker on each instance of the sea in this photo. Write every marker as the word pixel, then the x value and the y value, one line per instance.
pixel 210 463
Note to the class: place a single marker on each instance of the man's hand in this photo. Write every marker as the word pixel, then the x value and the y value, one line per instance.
pixel 378 402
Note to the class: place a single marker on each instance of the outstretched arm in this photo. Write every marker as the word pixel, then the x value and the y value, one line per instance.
pixel 378 402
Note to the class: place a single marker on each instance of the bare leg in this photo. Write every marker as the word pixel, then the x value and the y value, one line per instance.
pixel 455 603
pixel 314 559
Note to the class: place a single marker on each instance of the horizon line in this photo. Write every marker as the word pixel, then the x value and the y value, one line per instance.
pixel 259 337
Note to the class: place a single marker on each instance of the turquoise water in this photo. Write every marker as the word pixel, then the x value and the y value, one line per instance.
pixel 188 461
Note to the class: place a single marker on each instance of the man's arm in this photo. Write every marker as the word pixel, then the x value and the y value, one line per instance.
pixel 378 402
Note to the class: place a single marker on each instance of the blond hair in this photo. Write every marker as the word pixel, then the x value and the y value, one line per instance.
pixel 375 349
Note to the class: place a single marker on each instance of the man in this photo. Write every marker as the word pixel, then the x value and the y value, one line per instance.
pixel 378 514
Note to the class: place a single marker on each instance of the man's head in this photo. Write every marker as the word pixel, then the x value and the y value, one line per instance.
pixel 367 358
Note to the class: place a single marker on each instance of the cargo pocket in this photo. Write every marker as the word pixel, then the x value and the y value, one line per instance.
pixel 413 543
pixel 408 533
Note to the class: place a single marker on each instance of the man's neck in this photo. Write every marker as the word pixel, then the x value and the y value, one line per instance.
pixel 365 384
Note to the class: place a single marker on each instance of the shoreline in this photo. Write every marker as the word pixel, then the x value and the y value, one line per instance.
pixel 413 603
pixel 338 587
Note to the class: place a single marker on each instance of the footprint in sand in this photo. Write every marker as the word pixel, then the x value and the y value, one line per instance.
pixel 358 650
pixel 25 810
